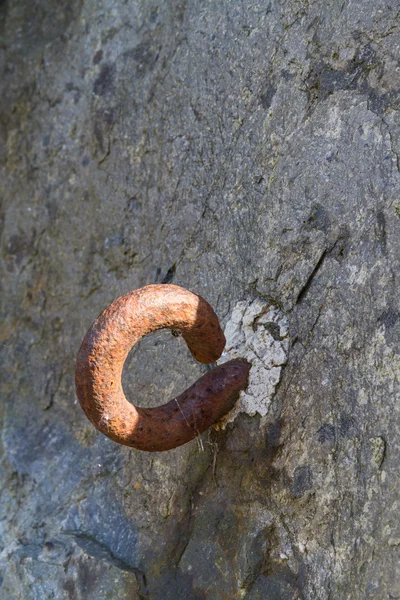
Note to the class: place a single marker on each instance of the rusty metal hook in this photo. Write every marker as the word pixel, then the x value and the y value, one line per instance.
pixel 103 353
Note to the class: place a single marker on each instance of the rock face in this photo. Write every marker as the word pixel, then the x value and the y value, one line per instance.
pixel 244 151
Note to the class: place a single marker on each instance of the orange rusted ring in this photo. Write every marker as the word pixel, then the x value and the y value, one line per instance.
pixel 103 353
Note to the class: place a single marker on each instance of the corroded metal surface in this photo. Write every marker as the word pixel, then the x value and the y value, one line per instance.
pixel 103 353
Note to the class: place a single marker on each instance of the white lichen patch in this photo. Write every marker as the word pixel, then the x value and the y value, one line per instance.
pixel 259 333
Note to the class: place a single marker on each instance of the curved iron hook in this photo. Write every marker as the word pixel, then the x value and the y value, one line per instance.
pixel 103 353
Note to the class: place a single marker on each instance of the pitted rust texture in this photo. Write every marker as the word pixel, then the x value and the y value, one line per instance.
pixel 103 353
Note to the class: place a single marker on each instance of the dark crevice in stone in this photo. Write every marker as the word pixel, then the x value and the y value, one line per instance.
pixel 169 274
pixel 311 277
pixel 98 550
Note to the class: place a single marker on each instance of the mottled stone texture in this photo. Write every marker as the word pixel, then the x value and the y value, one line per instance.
pixel 241 150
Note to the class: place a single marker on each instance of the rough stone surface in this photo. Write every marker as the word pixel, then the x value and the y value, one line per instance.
pixel 241 150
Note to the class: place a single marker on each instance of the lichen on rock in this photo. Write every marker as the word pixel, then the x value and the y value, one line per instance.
pixel 258 332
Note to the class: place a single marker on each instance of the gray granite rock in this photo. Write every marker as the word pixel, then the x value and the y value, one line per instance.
pixel 242 150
